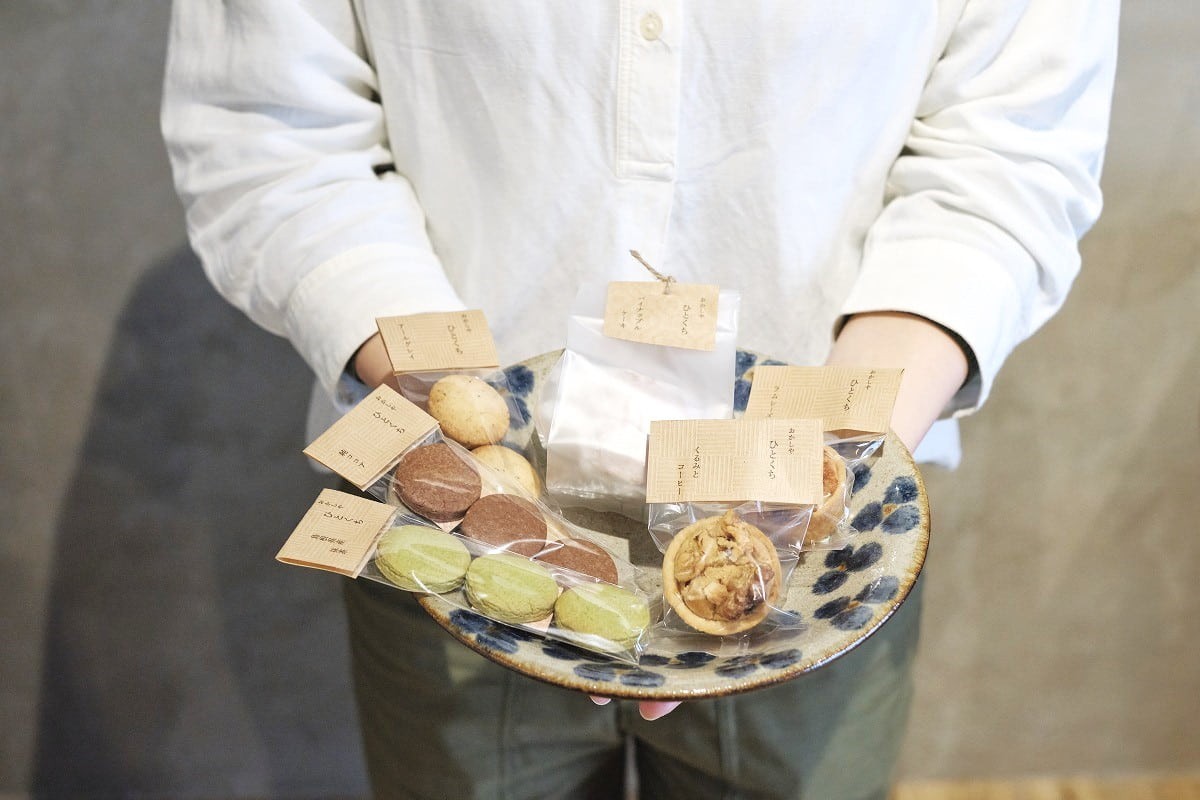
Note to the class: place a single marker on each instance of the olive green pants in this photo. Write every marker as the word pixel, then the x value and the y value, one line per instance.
pixel 440 722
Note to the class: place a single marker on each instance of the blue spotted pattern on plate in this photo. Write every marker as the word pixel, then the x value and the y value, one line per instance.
pixel 842 595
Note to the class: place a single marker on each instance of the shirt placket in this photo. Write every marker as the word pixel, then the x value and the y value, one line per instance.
pixel 648 82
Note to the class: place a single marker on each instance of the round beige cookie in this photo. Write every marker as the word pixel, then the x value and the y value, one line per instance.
pixel 721 575
pixel 510 464
pixel 469 410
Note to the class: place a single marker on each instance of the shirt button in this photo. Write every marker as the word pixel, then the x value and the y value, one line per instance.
pixel 651 26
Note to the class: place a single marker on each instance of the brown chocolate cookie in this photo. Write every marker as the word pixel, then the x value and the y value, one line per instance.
pixel 506 522
pixel 436 482
pixel 581 556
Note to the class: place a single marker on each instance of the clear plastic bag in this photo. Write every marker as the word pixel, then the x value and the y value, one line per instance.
pixel 536 593
pixel 473 407
pixel 829 527
pixel 724 581
pixel 475 410
pixel 595 410
pixel 799 528
pixel 444 488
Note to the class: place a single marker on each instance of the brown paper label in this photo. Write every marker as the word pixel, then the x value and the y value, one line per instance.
pixel 776 460
pixel 438 341
pixel 684 316
pixel 337 534
pixel 370 437
pixel 843 398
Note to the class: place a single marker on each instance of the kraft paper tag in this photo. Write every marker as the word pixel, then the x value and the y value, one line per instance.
pixel 735 460
pixel 675 314
pixel 337 534
pixel 843 398
pixel 449 340
pixel 368 440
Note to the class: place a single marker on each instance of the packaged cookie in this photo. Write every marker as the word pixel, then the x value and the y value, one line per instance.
pixel 434 479
pixel 553 597
pixel 444 483
pixel 397 453
pixel 446 364
pixel 475 535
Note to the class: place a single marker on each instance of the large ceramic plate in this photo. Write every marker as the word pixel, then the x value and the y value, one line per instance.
pixel 843 596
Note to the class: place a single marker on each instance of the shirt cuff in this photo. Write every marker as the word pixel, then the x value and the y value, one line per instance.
pixel 333 310
pixel 956 286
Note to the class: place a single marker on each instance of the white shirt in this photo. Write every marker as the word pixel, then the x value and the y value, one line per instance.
pixel 341 161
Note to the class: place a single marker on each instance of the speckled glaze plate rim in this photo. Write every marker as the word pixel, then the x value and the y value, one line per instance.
pixel 508 646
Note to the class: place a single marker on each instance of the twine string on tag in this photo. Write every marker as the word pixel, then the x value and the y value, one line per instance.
pixel 666 279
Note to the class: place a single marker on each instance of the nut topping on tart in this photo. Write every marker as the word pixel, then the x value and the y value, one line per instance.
pixel 721 575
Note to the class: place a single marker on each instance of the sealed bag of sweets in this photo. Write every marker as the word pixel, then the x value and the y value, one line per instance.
pixel 446 364
pixel 854 405
pixel 394 452
pixel 635 352
pixel 560 597
pixel 538 592
pixel 726 501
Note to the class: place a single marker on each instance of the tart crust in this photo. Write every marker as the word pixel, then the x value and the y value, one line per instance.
pixel 835 493
pixel 721 575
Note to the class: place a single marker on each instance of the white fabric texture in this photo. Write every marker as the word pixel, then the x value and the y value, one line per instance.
pixel 343 160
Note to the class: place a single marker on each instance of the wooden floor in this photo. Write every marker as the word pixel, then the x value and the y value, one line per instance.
pixel 1172 788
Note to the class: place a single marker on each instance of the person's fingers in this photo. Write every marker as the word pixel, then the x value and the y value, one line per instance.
pixel 649 709
pixel 656 709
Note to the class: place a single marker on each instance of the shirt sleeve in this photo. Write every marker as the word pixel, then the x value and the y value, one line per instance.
pixel 998 178
pixel 279 152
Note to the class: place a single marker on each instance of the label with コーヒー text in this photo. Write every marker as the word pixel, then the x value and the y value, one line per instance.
pixel 735 460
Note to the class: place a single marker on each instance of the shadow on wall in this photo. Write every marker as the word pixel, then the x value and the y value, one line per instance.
pixel 181 659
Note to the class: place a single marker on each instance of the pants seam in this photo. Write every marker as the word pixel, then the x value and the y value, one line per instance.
pixel 506 719
pixel 727 744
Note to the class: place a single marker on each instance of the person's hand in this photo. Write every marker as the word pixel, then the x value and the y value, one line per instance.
pixel 934 365
pixel 933 361
pixel 371 363
pixel 649 709
pixel 373 367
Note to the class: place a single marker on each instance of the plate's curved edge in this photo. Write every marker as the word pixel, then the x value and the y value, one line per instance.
pixel 734 686
pixel 913 573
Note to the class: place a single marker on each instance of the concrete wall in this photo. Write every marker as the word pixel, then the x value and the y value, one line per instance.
pixel 1062 602
pixel 151 645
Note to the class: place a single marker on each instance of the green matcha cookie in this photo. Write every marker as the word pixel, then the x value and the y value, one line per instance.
pixel 422 559
pixel 610 617
pixel 511 588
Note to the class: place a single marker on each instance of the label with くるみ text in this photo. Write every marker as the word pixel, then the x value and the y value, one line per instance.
pixel 368 440
pixel 337 533
pixel 734 460
pixel 653 312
